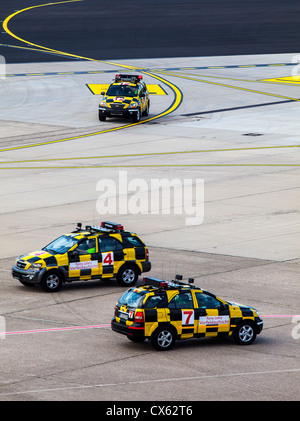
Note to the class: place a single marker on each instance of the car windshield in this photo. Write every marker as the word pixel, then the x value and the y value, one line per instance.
pixel 122 90
pixel 61 245
pixel 132 298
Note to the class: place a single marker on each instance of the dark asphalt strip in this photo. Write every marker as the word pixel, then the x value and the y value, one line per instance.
pixel 221 110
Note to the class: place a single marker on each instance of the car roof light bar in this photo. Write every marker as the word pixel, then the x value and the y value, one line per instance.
pixel 106 226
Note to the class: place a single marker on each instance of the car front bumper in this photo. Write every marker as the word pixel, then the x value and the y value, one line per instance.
pixel 108 112
pixel 259 326
pixel 30 276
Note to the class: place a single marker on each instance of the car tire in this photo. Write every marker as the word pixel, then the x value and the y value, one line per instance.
pixel 244 333
pixel 163 338
pixel 127 276
pixel 102 117
pixel 52 281
pixel 146 112
pixel 136 116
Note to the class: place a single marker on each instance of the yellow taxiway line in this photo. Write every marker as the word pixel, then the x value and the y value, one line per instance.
pixel 177 93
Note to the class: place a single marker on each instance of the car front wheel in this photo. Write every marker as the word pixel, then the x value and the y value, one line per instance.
pixel 146 112
pixel 137 116
pixel 102 117
pixel 244 333
pixel 51 282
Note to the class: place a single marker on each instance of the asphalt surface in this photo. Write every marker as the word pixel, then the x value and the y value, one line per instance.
pixel 230 120
pixel 136 29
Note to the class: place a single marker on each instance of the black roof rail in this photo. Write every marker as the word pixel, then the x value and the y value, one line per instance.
pixel 128 78
pixel 160 283
pixel 105 227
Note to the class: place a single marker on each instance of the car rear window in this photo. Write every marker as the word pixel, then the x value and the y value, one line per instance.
pixel 133 241
pixel 132 298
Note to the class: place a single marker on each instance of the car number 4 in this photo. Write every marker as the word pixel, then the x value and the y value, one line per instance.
pixel 107 258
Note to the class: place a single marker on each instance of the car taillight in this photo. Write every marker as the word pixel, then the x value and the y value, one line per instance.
pixel 139 317
pixel 147 254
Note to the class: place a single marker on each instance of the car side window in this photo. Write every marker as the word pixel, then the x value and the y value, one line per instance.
pixel 142 90
pixel 87 246
pixel 181 300
pixel 109 244
pixel 206 301
pixel 156 301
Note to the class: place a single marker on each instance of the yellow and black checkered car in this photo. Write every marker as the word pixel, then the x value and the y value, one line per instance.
pixel 93 252
pixel 127 97
pixel 165 311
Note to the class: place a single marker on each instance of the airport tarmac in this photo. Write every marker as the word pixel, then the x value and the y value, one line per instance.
pixel 229 121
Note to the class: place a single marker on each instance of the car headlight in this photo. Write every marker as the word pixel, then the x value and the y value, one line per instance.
pixel 35 266
pixel 134 104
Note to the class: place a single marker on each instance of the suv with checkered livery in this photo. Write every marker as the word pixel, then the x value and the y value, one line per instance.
pixel 127 97
pixel 165 311
pixel 93 252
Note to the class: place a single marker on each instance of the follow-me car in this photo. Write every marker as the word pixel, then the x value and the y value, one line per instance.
pixel 165 311
pixel 93 252
pixel 127 97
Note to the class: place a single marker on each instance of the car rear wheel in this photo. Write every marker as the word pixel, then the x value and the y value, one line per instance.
pixel 244 333
pixel 163 338
pixel 51 282
pixel 127 276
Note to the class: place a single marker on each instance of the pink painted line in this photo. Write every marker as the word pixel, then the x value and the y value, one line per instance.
pixel 55 329
pixel 280 315
pixel 60 329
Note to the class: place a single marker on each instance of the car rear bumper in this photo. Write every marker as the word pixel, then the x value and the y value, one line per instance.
pixel 133 331
pixel 146 266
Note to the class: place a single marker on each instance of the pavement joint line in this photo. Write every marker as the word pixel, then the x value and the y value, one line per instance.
pixel 149 381
pixel 149 154
pixel 70 167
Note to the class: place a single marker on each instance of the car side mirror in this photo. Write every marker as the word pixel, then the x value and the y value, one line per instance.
pixel 103 93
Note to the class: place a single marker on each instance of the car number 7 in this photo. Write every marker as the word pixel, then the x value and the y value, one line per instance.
pixel 188 317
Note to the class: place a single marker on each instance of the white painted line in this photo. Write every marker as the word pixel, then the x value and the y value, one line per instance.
pixel 139 382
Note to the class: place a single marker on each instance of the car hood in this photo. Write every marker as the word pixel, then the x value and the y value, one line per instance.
pixel 232 303
pixel 126 99
pixel 36 256
pixel 242 306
